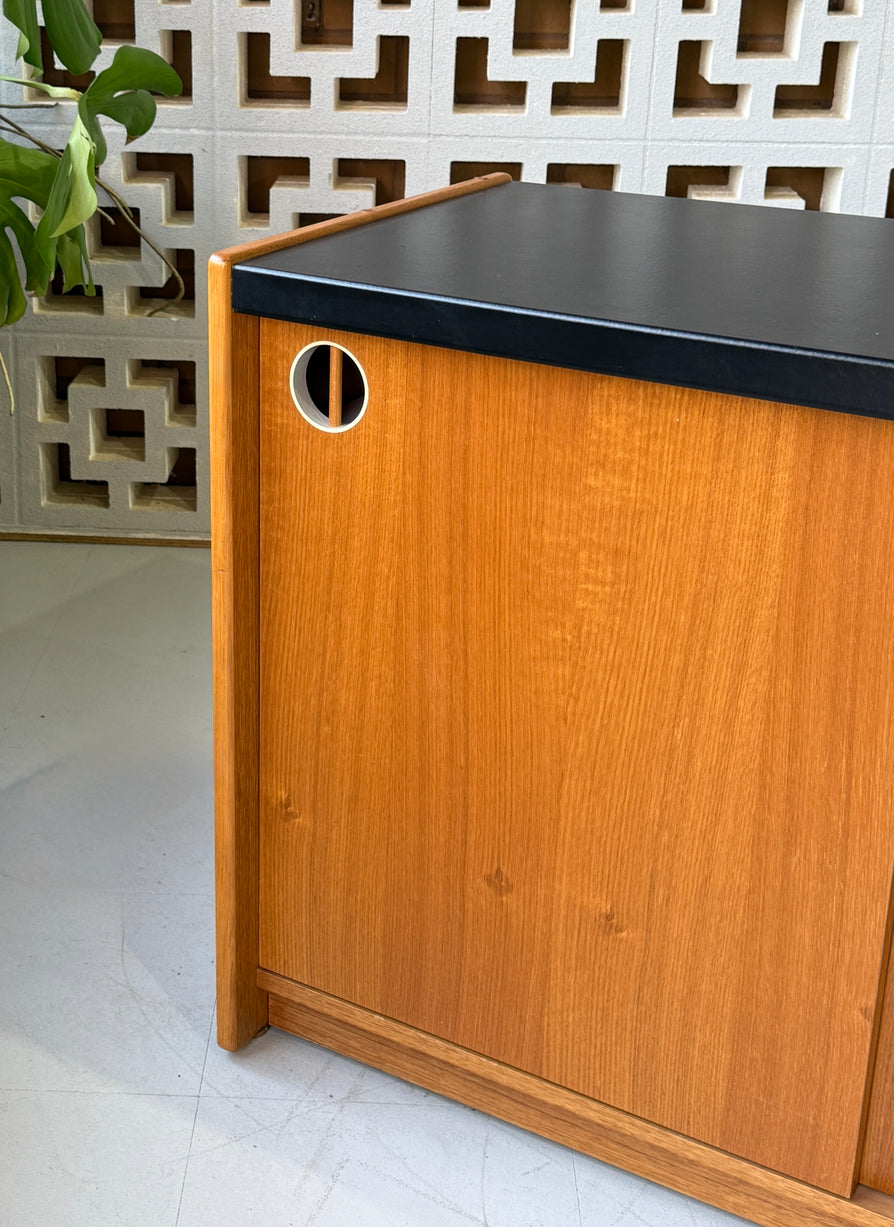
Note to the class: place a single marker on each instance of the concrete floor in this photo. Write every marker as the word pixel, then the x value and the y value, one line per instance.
pixel 118 1109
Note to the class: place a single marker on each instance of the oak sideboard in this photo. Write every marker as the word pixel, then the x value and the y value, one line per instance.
pixel 553 553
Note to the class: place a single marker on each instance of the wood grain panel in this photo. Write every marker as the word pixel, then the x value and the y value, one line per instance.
pixel 573 743
pixel 593 1128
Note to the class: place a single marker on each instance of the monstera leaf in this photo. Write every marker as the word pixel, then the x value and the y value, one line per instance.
pixel 12 298
pixel 121 92
pixel 63 187
pixel 75 39
pixel 26 174
pixel 73 194
pixel 23 15
pixel 72 258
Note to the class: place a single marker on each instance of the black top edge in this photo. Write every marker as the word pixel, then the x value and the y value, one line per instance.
pixel 746 300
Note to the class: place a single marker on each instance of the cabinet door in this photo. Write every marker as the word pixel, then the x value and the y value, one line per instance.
pixel 576 733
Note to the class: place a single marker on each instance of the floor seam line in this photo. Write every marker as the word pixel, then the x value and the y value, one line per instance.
pixel 194 1121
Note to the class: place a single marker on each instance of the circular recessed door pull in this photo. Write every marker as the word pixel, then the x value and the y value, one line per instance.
pixel 328 386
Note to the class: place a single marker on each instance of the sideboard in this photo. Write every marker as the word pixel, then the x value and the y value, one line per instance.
pixel 553 555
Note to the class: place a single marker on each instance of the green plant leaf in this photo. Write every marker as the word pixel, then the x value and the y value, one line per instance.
pixel 26 172
pixel 75 39
pixel 23 15
pixel 134 68
pixel 73 260
pixel 135 111
pixel 72 197
pixel 15 219
pixel 121 92
pixel 79 236
pixel 65 187
pixel 29 174
pixel 54 91
pixel 80 179
pixel 90 120
pixel 12 296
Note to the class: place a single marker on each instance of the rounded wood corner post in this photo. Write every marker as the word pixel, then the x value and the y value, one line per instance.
pixel 234 416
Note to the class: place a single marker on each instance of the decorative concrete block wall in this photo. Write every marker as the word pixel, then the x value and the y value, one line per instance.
pixel 301 109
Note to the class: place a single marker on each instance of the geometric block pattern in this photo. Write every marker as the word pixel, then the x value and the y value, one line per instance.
pixel 298 110
pixel 110 435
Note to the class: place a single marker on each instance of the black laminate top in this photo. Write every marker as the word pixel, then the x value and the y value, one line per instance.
pixel 748 300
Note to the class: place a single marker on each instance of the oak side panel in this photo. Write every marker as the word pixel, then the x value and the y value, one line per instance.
pixel 573 737
pixel 605 1133
pixel 877 1166
pixel 241 1006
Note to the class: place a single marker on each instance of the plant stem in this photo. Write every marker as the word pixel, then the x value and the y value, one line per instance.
pixel 175 272
pixel 12 399
pixel 12 126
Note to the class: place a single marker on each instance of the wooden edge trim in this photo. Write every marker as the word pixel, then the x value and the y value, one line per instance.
pixel 260 247
pixel 606 1133
pixel 234 375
